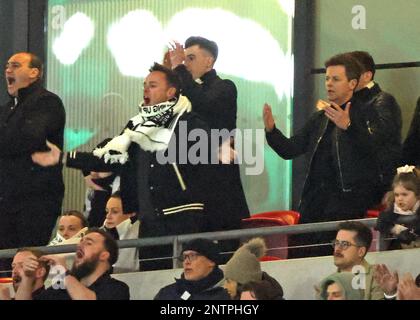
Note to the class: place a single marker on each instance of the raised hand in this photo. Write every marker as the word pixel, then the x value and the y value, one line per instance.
pixel 268 118
pixel 176 54
pixel 386 280
pixel 167 60
pixel 340 117
pixel 30 265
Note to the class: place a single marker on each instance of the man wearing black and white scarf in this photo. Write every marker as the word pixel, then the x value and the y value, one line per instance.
pixel 169 198
pixel 151 129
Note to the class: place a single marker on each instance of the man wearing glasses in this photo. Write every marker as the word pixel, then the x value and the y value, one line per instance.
pixel 202 278
pixel 351 245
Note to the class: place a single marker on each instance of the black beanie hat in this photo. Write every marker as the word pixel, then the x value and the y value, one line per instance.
pixel 205 247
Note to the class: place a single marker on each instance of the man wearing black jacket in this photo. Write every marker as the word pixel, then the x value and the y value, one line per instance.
pixel 202 278
pixel 214 99
pixel 389 124
pixel 30 195
pixel 170 197
pixel 342 180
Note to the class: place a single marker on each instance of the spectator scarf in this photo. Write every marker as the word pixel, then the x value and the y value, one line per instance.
pixel 151 129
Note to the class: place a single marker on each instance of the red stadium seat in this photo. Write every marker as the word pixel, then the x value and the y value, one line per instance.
pixel 271 219
pixel 281 218
pixel 269 258
pixel 374 212
pixel 6 280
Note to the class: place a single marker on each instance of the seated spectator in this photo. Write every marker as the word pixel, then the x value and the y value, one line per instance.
pixel 244 267
pixel 72 226
pixel 338 286
pixel 40 273
pixel 261 290
pixel 402 220
pixel 89 278
pixel 202 277
pixel 351 245
pixel 122 226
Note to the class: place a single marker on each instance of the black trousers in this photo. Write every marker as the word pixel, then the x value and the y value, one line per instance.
pixel 326 204
pixel 174 224
pixel 28 223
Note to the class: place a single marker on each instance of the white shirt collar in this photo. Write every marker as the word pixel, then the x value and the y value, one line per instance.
pixel 370 84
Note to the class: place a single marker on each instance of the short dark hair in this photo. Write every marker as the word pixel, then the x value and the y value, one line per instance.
pixel 76 214
pixel 366 60
pixel 363 236
pixel 263 290
pixel 171 77
pixel 205 44
pixel 36 62
pixel 37 253
pixel 352 66
pixel 117 195
pixel 109 243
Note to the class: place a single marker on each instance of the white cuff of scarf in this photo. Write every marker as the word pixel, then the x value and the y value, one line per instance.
pixel 120 144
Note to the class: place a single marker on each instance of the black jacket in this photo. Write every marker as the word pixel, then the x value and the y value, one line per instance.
pixel 38 116
pixel 215 102
pixel 388 219
pixel 411 148
pixel 353 150
pixel 167 194
pixel 386 110
pixel 208 288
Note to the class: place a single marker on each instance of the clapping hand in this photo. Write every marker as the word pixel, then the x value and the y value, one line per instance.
pixel 387 281
pixel 176 54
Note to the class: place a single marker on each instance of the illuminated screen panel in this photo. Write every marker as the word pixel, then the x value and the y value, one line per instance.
pixel 99 52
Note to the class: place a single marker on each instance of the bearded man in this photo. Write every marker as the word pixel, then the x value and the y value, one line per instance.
pixel 89 278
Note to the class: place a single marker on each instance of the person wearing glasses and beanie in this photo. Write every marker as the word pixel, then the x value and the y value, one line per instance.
pixel 202 278
pixel 351 245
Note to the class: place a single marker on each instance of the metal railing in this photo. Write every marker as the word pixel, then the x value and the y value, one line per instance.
pixel 178 240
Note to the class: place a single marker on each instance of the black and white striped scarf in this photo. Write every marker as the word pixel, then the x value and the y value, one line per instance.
pixel 151 129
